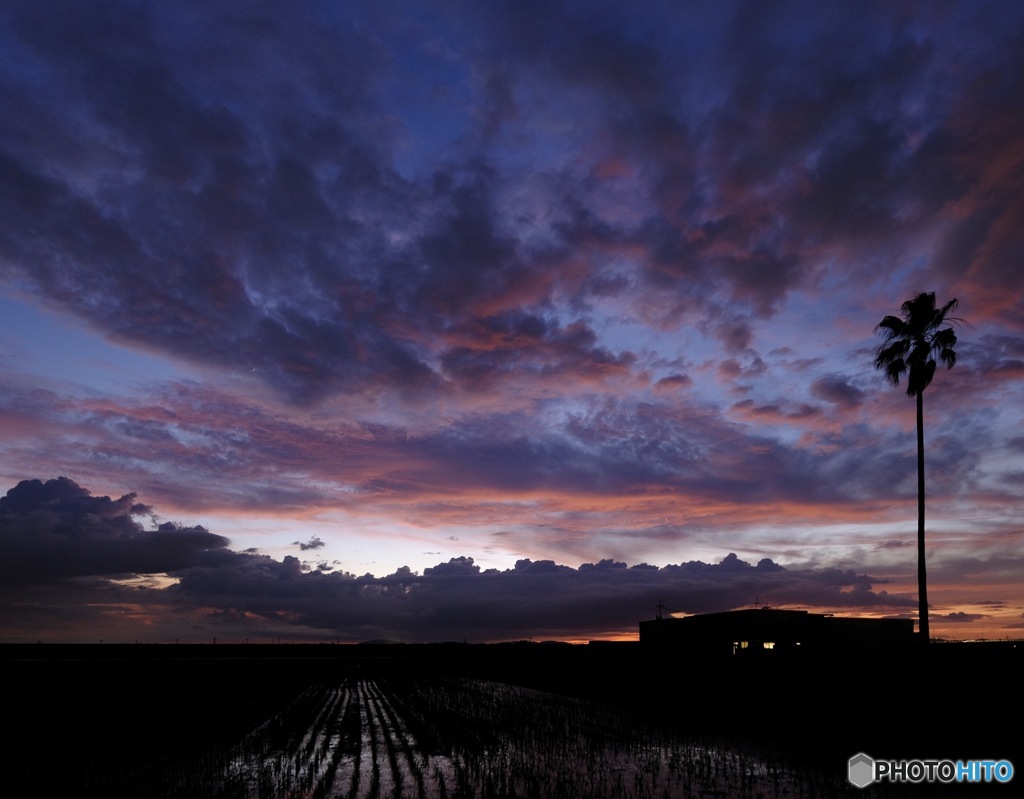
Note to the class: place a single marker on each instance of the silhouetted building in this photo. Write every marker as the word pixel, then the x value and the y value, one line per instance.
pixel 768 631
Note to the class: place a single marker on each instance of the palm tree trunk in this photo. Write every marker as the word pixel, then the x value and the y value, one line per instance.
pixel 922 590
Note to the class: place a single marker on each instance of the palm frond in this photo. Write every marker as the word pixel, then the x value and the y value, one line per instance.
pixel 894 370
pixel 944 311
pixel 912 342
pixel 890 327
pixel 894 352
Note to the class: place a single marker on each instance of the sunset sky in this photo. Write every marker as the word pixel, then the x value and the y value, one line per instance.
pixel 484 321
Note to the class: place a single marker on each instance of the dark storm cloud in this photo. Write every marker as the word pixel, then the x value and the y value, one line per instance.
pixel 165 214
pixel 516 346
pixel 960 617
pixel 996 359
pixel 514 251
pixel 987 125
pixel 818 109
pixel 236 453
pixel 227 188
pixel 674 382
pixel 58 530
pixel 838 390
pixel 458 601
pixel 245 594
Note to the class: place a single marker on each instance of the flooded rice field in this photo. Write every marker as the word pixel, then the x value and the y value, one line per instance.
pixel 498 722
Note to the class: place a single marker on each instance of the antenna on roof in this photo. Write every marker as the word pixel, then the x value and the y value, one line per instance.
pixel 661 607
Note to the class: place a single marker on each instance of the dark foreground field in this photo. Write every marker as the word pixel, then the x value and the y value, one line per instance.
pixel 527 720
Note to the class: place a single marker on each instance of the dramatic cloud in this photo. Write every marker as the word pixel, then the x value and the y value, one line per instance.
pixel 510 281
pixel 55 531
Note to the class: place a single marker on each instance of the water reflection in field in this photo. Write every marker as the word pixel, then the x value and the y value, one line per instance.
pixel 433 739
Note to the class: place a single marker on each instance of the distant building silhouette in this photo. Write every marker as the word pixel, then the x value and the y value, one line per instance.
pixel 764 632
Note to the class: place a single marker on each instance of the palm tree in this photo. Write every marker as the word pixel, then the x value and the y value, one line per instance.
pixel 911 342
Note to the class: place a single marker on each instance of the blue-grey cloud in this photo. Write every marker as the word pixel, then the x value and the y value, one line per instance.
pixel 56 530
pixel 571 252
